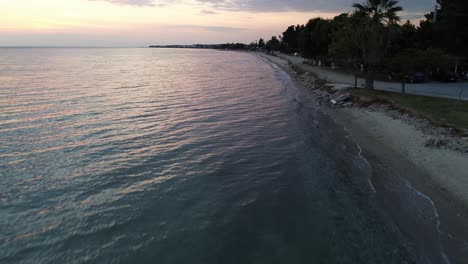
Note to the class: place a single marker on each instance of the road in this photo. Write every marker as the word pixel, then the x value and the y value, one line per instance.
pixel 434 89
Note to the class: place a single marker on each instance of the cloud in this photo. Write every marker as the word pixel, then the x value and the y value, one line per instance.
pixel 208 12
pixel 209 28
pixel 275 5
pixel 137 2
pixel 304 5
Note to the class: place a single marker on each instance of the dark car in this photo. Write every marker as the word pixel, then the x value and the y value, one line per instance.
pixel 417 77
pixel 450 77
pixel 445 77
pixel 464 76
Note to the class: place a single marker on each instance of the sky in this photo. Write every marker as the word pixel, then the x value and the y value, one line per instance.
pixel 136 23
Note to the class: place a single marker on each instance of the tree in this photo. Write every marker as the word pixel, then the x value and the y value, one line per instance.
pixel 404 38
pixel 261 43
pixel 377 17
pixel 290 39
pixel 252 46
pixel 425 33
pixel 305 41
pixel 345 45
pixel 416 60
pixel 321 37
pixel 339 22
pixel 273 44
pixel 451 26
pixel 315 38
pixel 405 63
pixel 438 60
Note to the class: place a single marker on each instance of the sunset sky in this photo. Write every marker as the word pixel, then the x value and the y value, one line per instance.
pixel 144 22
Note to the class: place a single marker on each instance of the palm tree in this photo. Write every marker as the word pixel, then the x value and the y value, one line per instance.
pixel 377 16
pixel 380 11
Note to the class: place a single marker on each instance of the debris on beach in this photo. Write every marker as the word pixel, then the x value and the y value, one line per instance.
pixel 326 93
pixel 321 94
pixel 337 86
pixel 308 80
pixel 336 96
pixel 341 98
pixel 433 142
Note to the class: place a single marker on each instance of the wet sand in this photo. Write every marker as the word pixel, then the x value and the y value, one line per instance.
pixel 407 175
pixel 395 144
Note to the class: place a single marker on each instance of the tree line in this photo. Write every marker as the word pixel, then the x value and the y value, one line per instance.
pixel 371 38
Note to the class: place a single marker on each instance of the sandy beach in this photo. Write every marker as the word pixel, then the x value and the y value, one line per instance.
pixel 439 174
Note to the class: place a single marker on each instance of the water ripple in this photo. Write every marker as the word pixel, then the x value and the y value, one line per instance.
pixel 174 156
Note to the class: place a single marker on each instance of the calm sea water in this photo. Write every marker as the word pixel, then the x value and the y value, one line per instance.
pixel 177 156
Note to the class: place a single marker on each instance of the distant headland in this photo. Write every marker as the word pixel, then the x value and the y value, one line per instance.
pixel 225 46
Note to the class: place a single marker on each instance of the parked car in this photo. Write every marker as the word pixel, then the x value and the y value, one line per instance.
pixel 296 54
pixel 417 77
pixel 445 77
pixel 464 76
pixel 450 77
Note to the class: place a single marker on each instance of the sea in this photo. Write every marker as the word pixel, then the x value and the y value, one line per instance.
pixel 139 155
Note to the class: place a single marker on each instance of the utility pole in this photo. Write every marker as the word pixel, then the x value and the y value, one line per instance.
pixel 435 14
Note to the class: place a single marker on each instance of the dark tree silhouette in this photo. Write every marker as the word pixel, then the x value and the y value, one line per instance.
pixel 378 16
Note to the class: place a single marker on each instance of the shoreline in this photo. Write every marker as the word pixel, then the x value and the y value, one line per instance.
pixel 436 174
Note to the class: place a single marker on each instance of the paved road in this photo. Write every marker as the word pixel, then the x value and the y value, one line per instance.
pixel 446 90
